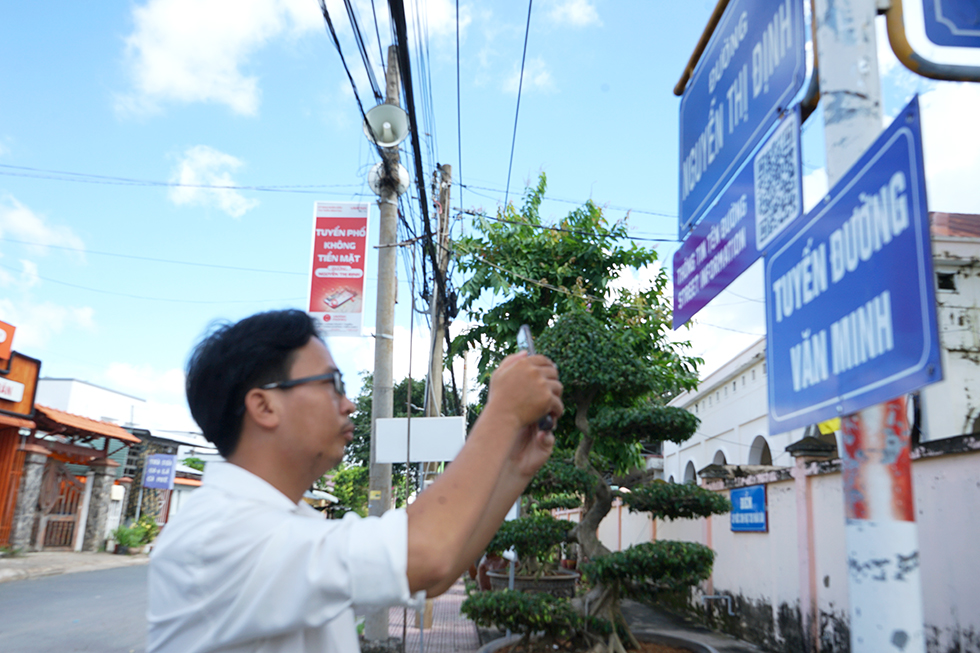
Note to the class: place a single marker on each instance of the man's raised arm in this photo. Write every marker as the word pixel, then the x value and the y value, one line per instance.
pixel 453 520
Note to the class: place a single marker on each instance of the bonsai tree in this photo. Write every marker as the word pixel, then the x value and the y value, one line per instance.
pixel 619 370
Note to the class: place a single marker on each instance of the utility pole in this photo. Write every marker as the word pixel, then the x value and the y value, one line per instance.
pixel 886 610
pixel 436 306
pixel 382 396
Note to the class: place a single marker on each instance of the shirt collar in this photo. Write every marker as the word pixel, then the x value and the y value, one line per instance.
pixel 239 482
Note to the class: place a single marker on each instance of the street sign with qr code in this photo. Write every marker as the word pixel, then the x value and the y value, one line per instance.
pixel 751 69
pixel 850 303
pixel 763 200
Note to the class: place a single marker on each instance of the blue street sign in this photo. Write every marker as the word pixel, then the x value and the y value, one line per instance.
pixel 953 23
pixel 749 509
pixel 764 199
pixel 850 303
pixel 750 70
pixel 160 471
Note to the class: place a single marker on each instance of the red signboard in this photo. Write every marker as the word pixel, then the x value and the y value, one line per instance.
pixel 6 340
pixel 336 297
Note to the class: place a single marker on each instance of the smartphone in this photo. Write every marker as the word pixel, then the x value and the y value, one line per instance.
pixel 526 343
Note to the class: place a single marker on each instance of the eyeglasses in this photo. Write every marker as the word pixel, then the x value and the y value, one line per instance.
pixel 335 376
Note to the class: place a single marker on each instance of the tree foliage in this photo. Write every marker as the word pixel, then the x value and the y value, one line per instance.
pixel 676 501
pixel 619 367
pixel 664 565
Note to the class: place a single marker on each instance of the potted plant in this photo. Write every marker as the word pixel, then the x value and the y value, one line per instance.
pixel 128 539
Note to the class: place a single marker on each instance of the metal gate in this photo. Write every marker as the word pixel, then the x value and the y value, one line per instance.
pixel 60 500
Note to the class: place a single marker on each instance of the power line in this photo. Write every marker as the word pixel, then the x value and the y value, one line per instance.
pixel 87 178
pixel 577 232
pixel 459 120
pixel 148 258
pixel 566 201
pixel 520 86
pixel 362 49
pixel 157 299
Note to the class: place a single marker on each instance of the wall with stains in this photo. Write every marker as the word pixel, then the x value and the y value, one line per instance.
pixel 762 572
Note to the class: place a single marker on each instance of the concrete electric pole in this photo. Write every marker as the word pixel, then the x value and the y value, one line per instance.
pixel 886 613
pixel 382 397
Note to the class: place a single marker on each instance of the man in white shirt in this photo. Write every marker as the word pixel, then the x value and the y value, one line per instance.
pixel 247 566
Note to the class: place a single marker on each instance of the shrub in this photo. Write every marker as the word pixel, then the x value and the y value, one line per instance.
pixel 535 539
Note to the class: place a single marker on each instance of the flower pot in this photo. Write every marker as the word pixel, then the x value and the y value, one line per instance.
pixel 489 563
pixel 561 583
pixel 122 550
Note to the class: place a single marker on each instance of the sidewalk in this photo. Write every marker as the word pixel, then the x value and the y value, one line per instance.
pixel 50 563
pixel 451 632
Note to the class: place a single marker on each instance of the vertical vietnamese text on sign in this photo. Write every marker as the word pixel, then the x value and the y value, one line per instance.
pixel 336 297
pixel 749 73
pixel 763 200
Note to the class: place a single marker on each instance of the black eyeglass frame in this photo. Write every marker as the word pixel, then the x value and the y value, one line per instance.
pixel 335 376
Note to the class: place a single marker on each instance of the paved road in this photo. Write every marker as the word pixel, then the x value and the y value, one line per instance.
pixel 100 611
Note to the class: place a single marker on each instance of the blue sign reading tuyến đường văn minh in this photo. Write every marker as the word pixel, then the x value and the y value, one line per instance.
pixel 850 303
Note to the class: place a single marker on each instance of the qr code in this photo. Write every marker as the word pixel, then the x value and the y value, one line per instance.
pixel 778 193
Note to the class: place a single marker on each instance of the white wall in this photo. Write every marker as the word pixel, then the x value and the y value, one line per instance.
pixel 951 406
pixel 92 401
pixel 732 405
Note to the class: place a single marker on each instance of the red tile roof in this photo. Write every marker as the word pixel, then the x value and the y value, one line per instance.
pixel 52 419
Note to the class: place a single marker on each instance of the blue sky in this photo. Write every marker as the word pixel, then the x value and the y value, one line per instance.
pixel 110 275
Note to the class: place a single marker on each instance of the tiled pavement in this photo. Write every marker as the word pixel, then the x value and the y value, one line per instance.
pixel 451 632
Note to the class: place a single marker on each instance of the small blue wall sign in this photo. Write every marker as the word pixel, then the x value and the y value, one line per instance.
pixel 749 509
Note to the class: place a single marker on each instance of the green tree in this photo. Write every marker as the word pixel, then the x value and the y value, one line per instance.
pixel 359 450
pixel 193 463
pixel 350 486
pixel 618 366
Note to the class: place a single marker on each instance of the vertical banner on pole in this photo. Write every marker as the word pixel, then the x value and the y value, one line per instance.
pixel 336 297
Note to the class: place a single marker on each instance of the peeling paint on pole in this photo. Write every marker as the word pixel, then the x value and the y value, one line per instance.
pixel 885 589
pixel 882 540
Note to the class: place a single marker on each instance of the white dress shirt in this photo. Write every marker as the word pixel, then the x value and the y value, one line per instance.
pixel 243 568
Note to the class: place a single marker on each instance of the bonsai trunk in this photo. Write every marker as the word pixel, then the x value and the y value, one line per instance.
pixel 599 505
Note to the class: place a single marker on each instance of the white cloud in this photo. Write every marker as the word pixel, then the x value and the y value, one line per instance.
pixel 189 51
pixel 38 323
pixel 204 166
pixel 440 17
pixel 29 277
pixel 21 223
pixel 536 76
pixel 578 13
pixel 146 382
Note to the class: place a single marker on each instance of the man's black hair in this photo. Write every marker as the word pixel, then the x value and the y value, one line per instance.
pixel 234 358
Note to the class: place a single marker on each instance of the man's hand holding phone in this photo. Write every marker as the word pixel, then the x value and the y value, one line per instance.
pixel 525 342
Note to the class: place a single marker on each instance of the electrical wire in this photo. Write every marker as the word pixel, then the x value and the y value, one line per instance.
pixel 459 119
pixel 87 178
pixel 157 299
pixel 148 258
pixel 566 201
pixel 362 49
pixel 578 232
pixel 520 86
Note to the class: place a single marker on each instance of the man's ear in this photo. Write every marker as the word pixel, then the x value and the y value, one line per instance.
pixel 262 407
